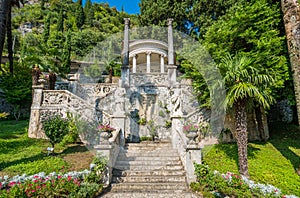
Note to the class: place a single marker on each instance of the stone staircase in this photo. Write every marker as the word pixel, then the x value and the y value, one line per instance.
pixel 149 170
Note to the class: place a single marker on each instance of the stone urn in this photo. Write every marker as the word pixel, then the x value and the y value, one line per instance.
pixel 104 136
pixel 192 135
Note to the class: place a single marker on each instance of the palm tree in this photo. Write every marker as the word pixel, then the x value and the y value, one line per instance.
pixel 244 84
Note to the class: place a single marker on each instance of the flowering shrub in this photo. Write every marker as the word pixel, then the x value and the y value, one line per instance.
pixel 52 185
pixel 188 127
pixel 232 184
pixel 105 127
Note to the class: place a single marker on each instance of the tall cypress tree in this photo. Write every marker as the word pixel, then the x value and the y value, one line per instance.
pixel 66 56
pixel 60 21
pixel 89 13
pixel 79 14
pixel 46 32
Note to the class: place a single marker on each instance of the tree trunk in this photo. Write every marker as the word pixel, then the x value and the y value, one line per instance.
pixel 110 74
pixel 3 23
pixel 291 18
pixel 242 135
pixel 52 80
pixel 9 40
pixel 260 124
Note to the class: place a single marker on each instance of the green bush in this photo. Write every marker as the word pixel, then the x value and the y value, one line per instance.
pixel 220 184
pixel 73 131
pixel 55 129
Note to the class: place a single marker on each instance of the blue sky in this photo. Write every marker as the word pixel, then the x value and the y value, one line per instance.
pixel 130 6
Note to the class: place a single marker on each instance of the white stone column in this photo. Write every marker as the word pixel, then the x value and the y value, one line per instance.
pixel 134 63
pixel 148 62
pixel 170 43
pixel 162 63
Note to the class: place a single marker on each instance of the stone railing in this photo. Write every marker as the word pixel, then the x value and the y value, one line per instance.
pixel 110 150
pixel 189 153
pixel 95 90
pixel 157 79
pixel 59 102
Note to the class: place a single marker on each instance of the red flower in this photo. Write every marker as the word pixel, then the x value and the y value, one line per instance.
pixel 59 176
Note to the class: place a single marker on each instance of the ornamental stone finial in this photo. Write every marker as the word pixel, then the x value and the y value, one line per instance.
pixel 126 21
pixel 170 21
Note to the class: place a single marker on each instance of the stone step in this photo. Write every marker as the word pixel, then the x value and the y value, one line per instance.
pixel 146 158
pixel 149 167
pixel 151 195
pixel 154 162
pixel 149 179
pixel 120 173
pixel 149 187
pixel 149 146
pixel 148 153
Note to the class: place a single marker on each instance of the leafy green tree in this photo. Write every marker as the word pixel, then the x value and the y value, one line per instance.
pixel 55 129
pixel 156 12
pixel 244 84
pixel 16 88
pixel 255 30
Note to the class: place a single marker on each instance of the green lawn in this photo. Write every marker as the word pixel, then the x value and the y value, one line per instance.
pixel 274 162
pixel 20 154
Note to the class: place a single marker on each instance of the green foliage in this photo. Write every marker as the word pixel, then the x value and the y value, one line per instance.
pixel 16 88
pixel 152 127
pixel 87 190
pixel 142 121
pixel 208 181
pixel 55 129
pixel 3 115
pixel 73 130
pixel 161 114
pixel 273 162
pixel 89 13
pixel 46 31
pixel 157 12
pixel 243 81
pixel 253 29
pixel 60 21
pixel 145 138
pixel 168 124
pixel 98 171
pixel 79 14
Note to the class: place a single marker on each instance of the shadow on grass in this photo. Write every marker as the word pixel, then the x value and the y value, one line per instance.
pixel 282 137
pixel 231 151
pixel 74 149
pixel 43 155
pixel 39 156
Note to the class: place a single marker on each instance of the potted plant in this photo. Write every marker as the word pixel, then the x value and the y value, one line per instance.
pixel 105 131
pixel 191 131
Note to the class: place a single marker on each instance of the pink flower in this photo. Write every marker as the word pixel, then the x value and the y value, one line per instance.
pixel 12 183
pixel 59 176
pixel 36 177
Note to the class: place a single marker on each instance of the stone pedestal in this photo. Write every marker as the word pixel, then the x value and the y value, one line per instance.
pixel 120 122
pixel 34 123
pixel 172 75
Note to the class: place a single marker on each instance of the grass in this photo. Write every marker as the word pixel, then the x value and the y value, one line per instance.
pixel 20 154
pixel 274 162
